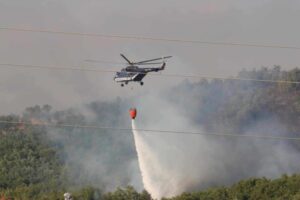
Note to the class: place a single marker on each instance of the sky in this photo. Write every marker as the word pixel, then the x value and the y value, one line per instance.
pixel 257 21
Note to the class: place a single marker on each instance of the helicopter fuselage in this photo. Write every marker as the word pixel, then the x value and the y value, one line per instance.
pixel 134 73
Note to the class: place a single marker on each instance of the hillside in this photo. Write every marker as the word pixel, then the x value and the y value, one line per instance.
pixel 286 187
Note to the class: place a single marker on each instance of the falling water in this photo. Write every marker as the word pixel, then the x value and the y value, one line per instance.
pixel 144 157
pixel 148 164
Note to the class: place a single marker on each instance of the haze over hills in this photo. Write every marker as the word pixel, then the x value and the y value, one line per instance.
pixel 38 161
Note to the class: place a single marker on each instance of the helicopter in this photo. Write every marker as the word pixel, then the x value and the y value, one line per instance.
pixel 134 73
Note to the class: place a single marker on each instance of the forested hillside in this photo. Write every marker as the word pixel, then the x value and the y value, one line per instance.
pixel 42 162
pixel 255 188
pixel 29 166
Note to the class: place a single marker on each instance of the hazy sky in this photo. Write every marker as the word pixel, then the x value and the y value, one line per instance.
pixel 256 21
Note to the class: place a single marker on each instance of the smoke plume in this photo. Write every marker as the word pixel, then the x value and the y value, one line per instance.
pixel 169 164
pixel 174 163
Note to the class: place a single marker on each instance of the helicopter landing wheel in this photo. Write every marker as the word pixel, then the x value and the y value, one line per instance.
pixel 126 83
pixel 142 83
pixel 122 85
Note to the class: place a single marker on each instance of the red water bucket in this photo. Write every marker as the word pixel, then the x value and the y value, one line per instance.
pixel 132 113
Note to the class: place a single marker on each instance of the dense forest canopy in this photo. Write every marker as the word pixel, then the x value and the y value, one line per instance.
pixel 39 162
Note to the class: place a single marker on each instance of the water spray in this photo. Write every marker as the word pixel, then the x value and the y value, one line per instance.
pixel 148 163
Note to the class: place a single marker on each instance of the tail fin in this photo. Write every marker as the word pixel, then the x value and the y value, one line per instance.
pixel 163 66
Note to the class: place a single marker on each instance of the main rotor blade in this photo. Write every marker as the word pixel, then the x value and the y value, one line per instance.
pixel 145 61
pixel 149 63
pixel 126 59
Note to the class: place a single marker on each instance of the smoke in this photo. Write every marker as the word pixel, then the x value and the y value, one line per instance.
pixel 101 158
pixel 174 163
